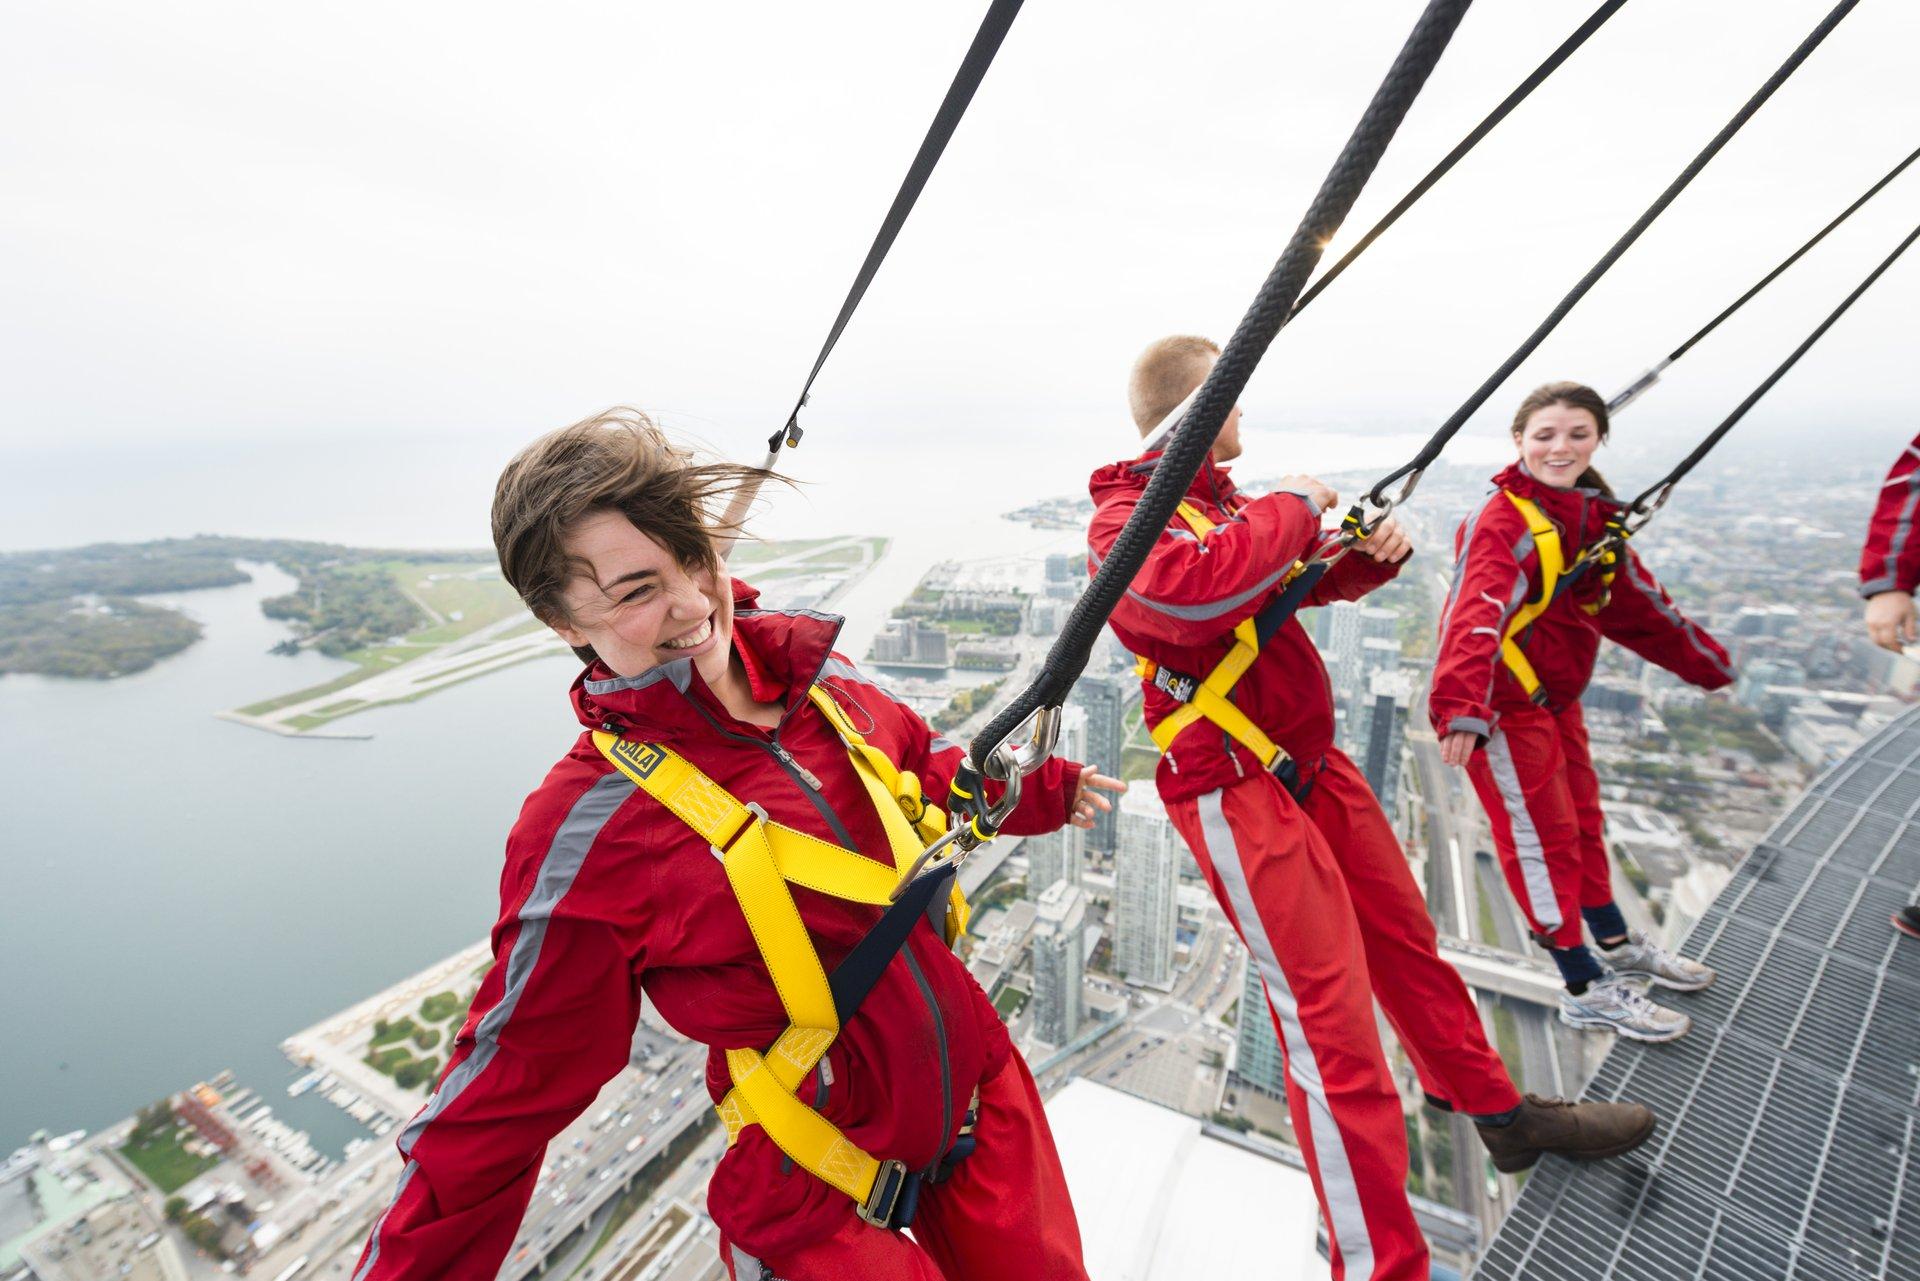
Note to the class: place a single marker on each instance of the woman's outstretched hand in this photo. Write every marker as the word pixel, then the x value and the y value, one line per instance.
pixel 1087 801
pixel 1890 621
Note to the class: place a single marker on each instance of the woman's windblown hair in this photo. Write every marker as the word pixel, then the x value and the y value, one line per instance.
pixel 617 461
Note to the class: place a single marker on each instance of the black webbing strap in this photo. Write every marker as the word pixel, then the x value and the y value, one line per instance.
pixel 1192 438
pixel 1687 464
pixel 1519 95
pixel 855 976
pixel 973 69
pixel 1457 420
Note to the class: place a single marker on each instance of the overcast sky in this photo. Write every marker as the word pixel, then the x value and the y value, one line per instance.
pixel 265 265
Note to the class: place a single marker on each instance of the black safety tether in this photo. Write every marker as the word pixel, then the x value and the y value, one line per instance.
pixel 1519 95
pixel 1628 395
pixel 1655 495
pixel 973 69
pixel 1192 438
pixel 1446 431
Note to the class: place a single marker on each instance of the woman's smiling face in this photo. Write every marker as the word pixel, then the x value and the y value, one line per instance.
pixel 638 607
pixel 1557 444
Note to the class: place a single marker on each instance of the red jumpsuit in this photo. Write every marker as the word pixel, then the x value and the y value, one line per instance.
pixel 1318 889
pixel 1890 562
pixel 606 898
pixel 1536 776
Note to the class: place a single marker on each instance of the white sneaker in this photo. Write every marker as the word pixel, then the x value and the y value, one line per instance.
pixel 1613 1004
pixel 1640 956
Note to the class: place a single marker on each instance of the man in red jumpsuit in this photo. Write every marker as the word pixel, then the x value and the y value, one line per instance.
pixel 1312 877
pixel 1889 569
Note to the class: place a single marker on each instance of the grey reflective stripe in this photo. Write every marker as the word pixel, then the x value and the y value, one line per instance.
pixel 1469 725
pixel 1528 850
pixel 941 743
pixel 1637 575
pixel 836 666
pixel 1460 569
pixel 816 615
pixel 576 836
pixel 1347 1222
pixel 373 1246
pixel 679 671
pixel 748 1268
pixel 1873 587
pixel 1903 528
pixel 1202 612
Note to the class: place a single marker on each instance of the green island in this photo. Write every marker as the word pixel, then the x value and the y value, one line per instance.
pixel 411 622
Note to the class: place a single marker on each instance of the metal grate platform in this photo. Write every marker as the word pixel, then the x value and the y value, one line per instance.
pixel 1788 1115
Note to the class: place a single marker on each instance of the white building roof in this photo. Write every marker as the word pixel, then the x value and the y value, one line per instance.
pixel 1159 1200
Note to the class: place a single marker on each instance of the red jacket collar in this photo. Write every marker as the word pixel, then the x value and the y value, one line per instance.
pixel 1212 485
pixel 1582 510
pixel 782 651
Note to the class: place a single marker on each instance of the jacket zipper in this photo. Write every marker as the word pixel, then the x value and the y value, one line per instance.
pixel 813 791
pixel 940 1043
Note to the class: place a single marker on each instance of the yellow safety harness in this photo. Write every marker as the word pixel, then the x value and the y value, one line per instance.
pixel 761 859
pixel 1211 698
pixel 1554 571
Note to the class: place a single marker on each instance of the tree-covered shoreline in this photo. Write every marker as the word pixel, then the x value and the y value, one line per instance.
pixel 69 612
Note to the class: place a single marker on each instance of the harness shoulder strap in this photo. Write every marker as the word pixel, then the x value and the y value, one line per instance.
pixel 1553 564
pixel 1211 698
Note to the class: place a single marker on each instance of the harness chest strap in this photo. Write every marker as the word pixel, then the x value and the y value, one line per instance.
pixel 760 859
pixel 1210 698
pixel 1554 574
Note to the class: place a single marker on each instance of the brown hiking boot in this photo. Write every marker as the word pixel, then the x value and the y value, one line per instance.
pixel 1577 1131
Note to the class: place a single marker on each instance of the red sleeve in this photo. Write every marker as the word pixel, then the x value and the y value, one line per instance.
pixel 1644 618
pixel 1891 559
pixel 1490 582
pixel 1353 576
pixel 552 1022
pixel 1046 795
pixel 1191 590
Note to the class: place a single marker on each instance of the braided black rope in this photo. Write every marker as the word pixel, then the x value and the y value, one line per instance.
pixel 1687 464
pixel 1191 440
pixel 1519 95
pixel 1431 450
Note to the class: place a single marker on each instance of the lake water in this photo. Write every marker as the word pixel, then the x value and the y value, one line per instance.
pixel 181 893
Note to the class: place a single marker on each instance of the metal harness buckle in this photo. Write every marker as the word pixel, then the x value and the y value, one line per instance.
pixel 881 1203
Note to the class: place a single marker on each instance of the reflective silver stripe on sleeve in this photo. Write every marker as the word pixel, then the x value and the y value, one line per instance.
pixel 373 1249
pixel 1903 528
pixel 1207 610
pixel 576 836
pixel 1348 1221
pixel 1637 575
pixel 1531 854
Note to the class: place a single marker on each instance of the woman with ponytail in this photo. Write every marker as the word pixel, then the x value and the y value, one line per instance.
pixel 1518 638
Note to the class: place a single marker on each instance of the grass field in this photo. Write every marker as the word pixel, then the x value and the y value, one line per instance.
pixel 169 1165
pixel 458 598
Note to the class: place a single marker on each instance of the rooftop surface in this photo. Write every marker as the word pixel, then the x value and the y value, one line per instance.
pixel 1158 1199
pixel 1788 1114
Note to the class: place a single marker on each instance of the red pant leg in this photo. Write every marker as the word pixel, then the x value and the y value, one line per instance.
pixel 1005 1211
pixel 855 1249
pixel 1279 885
pixel 1583 787
pixel 1520 777
pixel 1424 997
